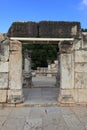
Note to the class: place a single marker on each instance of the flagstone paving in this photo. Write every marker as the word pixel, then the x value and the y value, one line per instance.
pixel 43 118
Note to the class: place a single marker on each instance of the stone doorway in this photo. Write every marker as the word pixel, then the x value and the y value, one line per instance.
pixel 72 64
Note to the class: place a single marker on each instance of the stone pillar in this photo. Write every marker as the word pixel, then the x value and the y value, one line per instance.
pixel 4 69
pixel 27 76
pixel 49 67
pixel 58 72
pixel 15 94
pixel 27 61
pixel 66 60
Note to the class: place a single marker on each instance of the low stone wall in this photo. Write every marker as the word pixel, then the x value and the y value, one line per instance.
pixel 49 71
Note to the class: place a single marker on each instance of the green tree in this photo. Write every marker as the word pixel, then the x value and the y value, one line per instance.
pixel 41 54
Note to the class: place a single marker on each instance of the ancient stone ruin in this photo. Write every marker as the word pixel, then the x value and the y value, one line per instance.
pixel 72 61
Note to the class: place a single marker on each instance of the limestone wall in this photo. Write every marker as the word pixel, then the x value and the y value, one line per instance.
pixel 73 72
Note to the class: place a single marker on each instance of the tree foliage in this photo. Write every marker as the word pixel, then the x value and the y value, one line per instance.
pixel 41 54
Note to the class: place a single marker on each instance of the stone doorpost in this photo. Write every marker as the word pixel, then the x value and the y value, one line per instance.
pixel 15 94
pixel 66 61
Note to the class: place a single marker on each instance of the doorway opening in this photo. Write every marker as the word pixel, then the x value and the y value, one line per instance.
pixel 40 72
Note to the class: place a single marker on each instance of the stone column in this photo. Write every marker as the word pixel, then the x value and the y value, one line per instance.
pixel 58 72
pixel 49 69
pixel 4 60
pixel 15 94
pixel 27 61
pixel 27 69
pixel 66 60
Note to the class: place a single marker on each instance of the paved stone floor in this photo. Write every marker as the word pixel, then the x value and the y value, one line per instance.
pixel 43 118
pixel 40 96
pixel 43 92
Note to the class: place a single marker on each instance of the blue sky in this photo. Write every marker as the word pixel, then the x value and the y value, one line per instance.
pixel 37 10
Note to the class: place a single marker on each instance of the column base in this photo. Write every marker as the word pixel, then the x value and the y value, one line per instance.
pixel 15 96
pixel 73 96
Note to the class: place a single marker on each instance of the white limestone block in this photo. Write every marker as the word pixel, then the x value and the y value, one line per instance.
pixel 3 96
pixel 3 80
pixel 81 56
pixel 81 80
pixel 80 67
pixel 82 95
pixel 77 44
pixel 4 67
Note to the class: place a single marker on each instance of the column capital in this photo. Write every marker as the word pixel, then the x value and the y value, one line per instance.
pixel 65 47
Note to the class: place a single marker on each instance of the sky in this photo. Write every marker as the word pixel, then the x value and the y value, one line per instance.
pixel 38 10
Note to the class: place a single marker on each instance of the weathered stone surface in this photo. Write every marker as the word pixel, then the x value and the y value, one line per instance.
pixel 81 56
pixel 3 96
pixel 66 71
pixel 15 68
pixel 49 75
pixel 3 80
pixel 4 67
pixel 77 44
pixel 66 47
pixel 4 51
pixel 84 43
pixel 67 96
pixel 81 67
pixel 81 80
pixel 15 46
pixel 15 96
pixel 82 95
